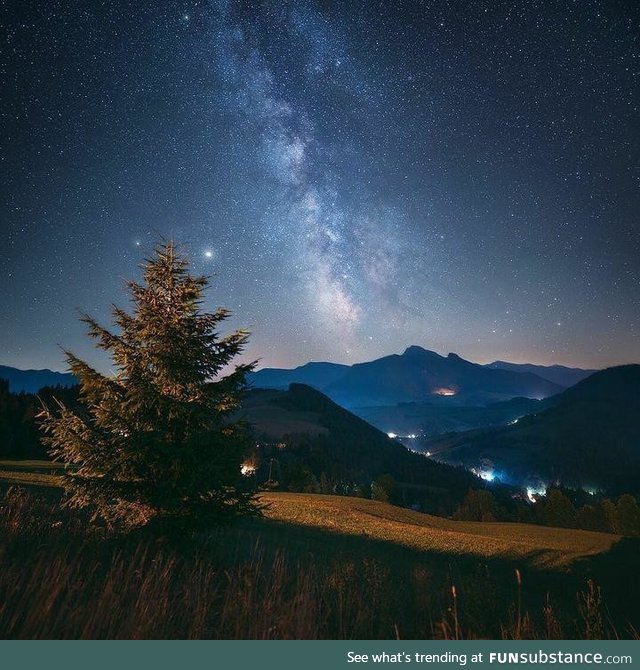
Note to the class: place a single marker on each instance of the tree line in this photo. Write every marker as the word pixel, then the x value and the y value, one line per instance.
pixel 621 516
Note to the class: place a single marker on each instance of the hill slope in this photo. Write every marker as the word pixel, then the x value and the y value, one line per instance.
pixel 425 418
pixel 380 521
pixel 377 521
pixel 314 432
pixel 589 438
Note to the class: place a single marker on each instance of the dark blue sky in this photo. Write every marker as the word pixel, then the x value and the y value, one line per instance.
pixel 359 176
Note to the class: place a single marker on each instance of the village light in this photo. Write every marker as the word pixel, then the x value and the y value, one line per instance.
pixel 444 391
pixel 247 468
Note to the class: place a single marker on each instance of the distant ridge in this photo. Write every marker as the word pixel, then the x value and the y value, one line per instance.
pixel 31 381
pixel 416 375
pixel 558 374
pixel 318 375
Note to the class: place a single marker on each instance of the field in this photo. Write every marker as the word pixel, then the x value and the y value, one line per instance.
pixel 30 473
pixel 314 567
pixel 539 545
pixel 542 546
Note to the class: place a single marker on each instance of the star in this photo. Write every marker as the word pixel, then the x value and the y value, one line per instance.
pixel 326 168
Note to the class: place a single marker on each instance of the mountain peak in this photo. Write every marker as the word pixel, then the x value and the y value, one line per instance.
pixel 415 375
pixel 415 350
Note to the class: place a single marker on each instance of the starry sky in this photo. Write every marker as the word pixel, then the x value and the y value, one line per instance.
pixel 355 176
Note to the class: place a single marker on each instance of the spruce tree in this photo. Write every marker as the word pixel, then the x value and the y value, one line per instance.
pixel 158 439
pixel 628 516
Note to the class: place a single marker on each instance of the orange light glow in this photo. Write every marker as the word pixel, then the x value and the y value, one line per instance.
pixel 444 391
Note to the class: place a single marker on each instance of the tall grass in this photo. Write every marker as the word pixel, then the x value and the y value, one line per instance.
pixel 61 578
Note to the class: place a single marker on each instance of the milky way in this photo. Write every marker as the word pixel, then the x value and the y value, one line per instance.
pixel 356 176
pixel 340 253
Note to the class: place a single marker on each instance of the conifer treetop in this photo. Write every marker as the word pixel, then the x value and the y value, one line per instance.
pixel 158 438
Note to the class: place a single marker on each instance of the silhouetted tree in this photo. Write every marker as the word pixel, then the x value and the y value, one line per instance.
pixel 593 517
pixel 300 478
pixel 610 512
pixel 627 516
pixel 477 506
pixel 325 483
pixel 19 434
pixel 559 510
pixel 157 439
pixel 384 489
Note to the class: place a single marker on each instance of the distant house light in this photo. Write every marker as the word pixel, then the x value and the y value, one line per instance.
pixel 483 473
pixel 392 435
pixel 247 469
pixel 533 493
pixel 444 391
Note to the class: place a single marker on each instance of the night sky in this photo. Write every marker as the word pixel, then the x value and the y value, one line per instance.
pixel 357 176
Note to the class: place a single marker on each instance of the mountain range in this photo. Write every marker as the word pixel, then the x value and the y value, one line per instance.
pixel 586 436
pixel 31 381
pixel 417 375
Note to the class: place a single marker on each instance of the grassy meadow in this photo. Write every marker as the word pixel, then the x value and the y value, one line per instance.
pixel 537 545
pixel 30 473
pixel 540 545
pixel 314 567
